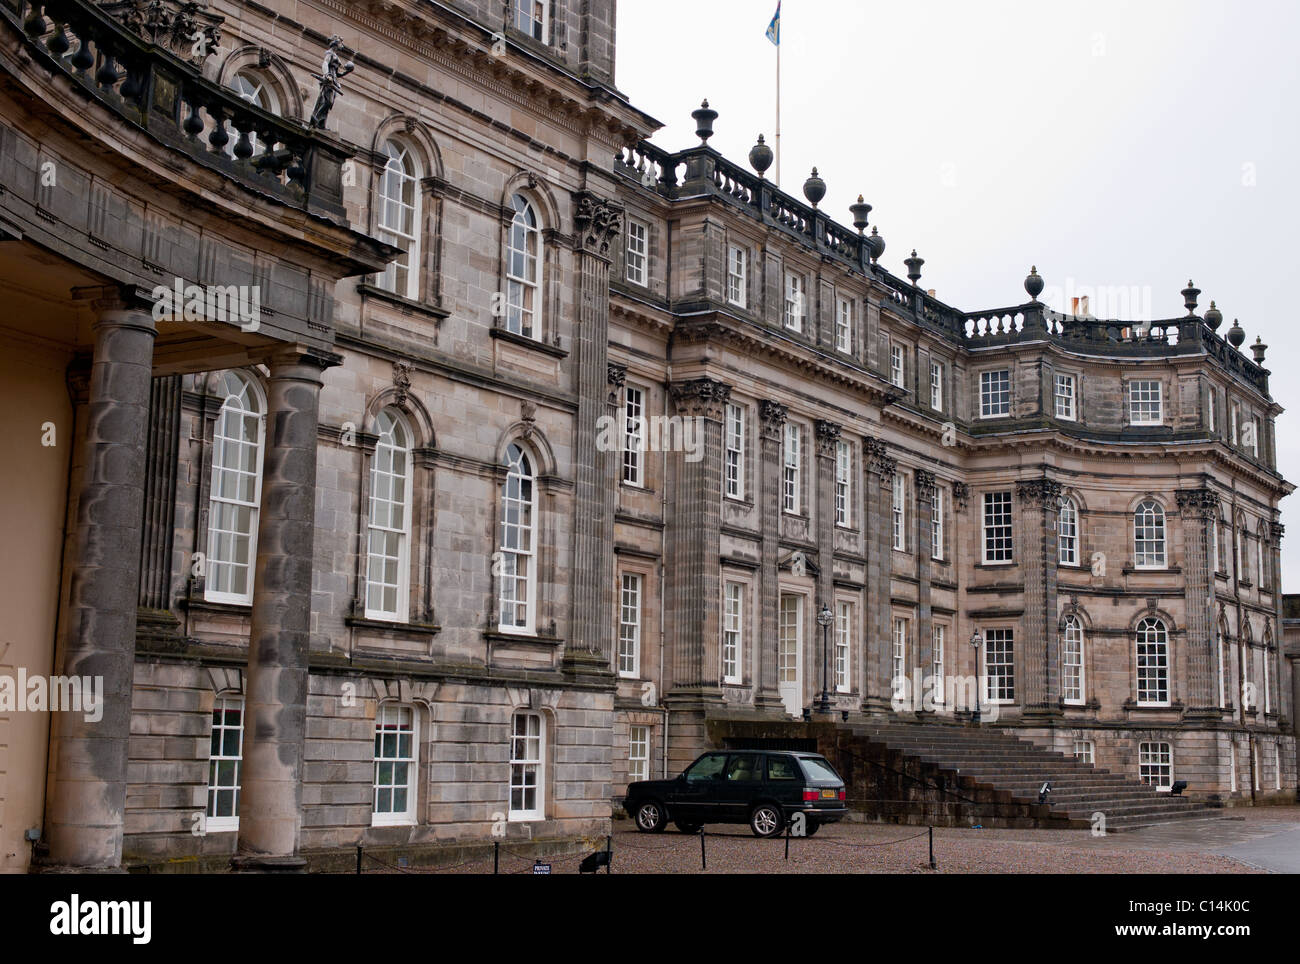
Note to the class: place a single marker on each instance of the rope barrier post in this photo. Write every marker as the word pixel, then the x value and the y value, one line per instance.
pixel 933 866
pixel 358 860
pixel 496 856
pixel 704 861
pixel 609 853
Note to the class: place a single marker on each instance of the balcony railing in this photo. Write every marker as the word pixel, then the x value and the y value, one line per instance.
pixel 151 88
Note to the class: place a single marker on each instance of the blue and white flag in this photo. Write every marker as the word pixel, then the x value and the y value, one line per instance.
pixel 774 28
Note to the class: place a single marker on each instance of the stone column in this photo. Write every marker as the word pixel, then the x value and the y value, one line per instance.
pixel 597 224
pixel 1198 509
pixel 878 691
pixel 88 793
pixel 1039 686
pixel 764 643
pixel 695 538
pixel 270 802
pixel 924 542
pixel 828 437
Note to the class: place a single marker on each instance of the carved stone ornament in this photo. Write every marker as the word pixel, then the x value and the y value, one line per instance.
pixel 882 464
pixel 332 71
pixel 1043 493
pixel 773 416
pixel 617 376
pixel 961 495
pixel 925 485
pixel 599 224
pixel 828 437
pixel 1201 502
pixel 187 30
pixel 701 397
pixel 402 381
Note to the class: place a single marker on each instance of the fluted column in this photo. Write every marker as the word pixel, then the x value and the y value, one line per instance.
pixel 695 536
pixel 924 542
pixel 598 224
pixel 88 795
pixel 1039 668
pixel 772 416
pixel 1198 509
pixel 880 492
pixel 828 437
pixel 270 802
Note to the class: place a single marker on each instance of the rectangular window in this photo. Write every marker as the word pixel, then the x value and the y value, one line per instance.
pixel 1072 662
pixel 900 513
pixel 897 377
pixel 999 666
pixel 997 527
pixel 940 637
pixel 795 301
pixel 532 18
pixel 1156 765
pixel 790 494
pixel 735 466
pixel 843 484
pixel 527 749
pixel 388 531
pixel 790 638
pixel 1084 751
pixel 898 662
pixel 225 761
pixel 1211 414
pixel 395 765
pixel 633 435
pixel 1252 431
pixel 638 753
pixel 843 644
pixel 1146 402
pixel 1268 695
pixel 733 624
pixel 1214 547
pixel 737 275
pixel 844 325
pixel 995 394
pixel 1065 398
pixel 1152 666
pixel 1232 424
pixel 936 525
pixel 638 249
pixel 629 626
pixel 936 386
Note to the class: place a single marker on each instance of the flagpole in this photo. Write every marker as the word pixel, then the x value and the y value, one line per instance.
pixel 778 111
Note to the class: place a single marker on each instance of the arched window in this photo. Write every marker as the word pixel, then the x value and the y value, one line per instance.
pixel 236 495
pixel 524 271
pixel 1068 533
pixel 1261 556
pixel 1072 661
pixel 518 569
pixel 399 219
pixel 255 88
pixel 388 544
pixel 1149 536
pixel 1152 663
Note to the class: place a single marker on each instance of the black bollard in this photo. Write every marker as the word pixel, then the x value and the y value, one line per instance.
pixel 358 860
pixel 933 866
pixel 609 853
pixel 496 855
pixel 704 861
pixel 787 840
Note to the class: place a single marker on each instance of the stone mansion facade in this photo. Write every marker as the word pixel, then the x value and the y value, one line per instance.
pixel 360 564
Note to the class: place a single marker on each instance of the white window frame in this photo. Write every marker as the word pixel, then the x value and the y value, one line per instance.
pixel 1146 402
pixel 1085 751
pixel 638 753
pixel 997 529
pixel 733 632
pixel 630 598
pixel 634 436
pixel 734 466
pixel 898 513
pixel 844 325
pixel 527 764
pixel 400 218
pixel 525 255
pixel 238 411
pixel 792 475
pixel 391 721
pixel 1067 533
pixel 1212 409
pixel 1152 653
pixel 936 525
pixel 936 385
pixel 533 19
pixel 1232 424
pixel 843 484
pixel 844 628
pixel 520 489
pixel 897 370
pixel 1254 435
pixel 1073 687
pixel 796 302
pixel 1005 640
pixel 738 276
pixel 1156 764
pixel 1066 397
pixel 1268 696
pixel 388 527
pixel 937 660
pixel 220 780
pixel 638 253
pixel 898 656
pixel 1150 536
pixel 995 393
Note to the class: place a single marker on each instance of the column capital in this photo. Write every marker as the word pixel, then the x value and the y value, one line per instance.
pixel 773 416
pixel 597 222
pixel 1199 502
pixel 879 462
pixel 300 361
pixel 828 437
pixel 926 485
pixel 961 495
pixel 616 377
pixel 701 397
pixel 1043 493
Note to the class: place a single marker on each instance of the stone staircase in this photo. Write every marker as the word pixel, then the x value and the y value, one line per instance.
pixel 1001 774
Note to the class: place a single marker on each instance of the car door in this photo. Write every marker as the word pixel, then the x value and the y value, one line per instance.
pixel 784 780
pixel 742 783
pixel 694 798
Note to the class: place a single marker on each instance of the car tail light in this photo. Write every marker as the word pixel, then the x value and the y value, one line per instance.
pixel 844 794
pixel 810 795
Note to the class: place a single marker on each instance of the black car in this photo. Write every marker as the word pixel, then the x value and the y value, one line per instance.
pixel 763 788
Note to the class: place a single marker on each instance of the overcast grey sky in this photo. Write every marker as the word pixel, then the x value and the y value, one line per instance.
pixel 1125 147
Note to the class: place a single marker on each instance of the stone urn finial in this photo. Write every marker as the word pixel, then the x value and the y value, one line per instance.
pixel 814 189
pixel 861 211
pixel 1034 284
pixel 1236 334
pixel 1214 317
pixel 1190 294
pixel 761 156
pixel 704 118
pixel 1258 349
pixel 914 267
pixel 877 245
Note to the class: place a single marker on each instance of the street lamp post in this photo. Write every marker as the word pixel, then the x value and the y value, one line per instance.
pixel 977 641
pixel 824 620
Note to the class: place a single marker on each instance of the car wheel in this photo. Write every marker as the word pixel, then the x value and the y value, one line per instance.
pixel 766 820
pixel 810 828
pixel 690 828
pixel 650 817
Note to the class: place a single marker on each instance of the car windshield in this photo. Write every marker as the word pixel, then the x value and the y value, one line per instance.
pixel 818 769
pixel 706 767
